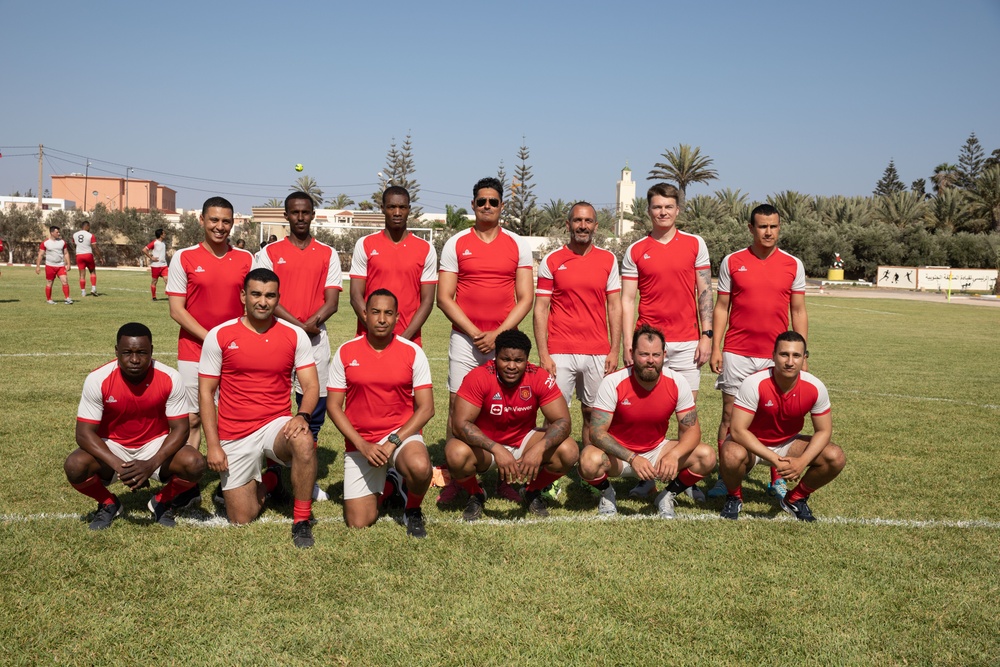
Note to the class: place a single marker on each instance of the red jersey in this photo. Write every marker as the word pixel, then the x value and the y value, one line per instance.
pixel 132 414
pixel 254 371
pixel 304 275
pixel 400 268
pixel 760 291
pixel 507 414
pixel 379 384
pixel 486 274
pixel 777 416
pixel 211 287
pixel 639 417
pixel 667 287
pixel 578 286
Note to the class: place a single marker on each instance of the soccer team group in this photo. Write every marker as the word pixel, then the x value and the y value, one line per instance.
pixel 252 333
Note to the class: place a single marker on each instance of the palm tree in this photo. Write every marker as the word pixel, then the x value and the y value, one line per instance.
pixel 792 206
pixel 986 197
pixel 307 184
pixel 684 166
pixel 945 176
pixel 703 207
pixel 732 201
pixel 640 215
pixel 553 216
pixel 456 217
pixel 340 202
pixel 902 209
pixel 950 210
pixel 274 202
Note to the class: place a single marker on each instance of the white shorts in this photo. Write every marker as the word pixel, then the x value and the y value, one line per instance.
pixel 246 455
pixel 463 356
pixel 519 450
pixel 582 371
pixel 780 450
pixel 189 375
pixel 321 355
pixel 680 359
pixel 143 453
pixel 361 479
pixel 652 456
pixel 737 368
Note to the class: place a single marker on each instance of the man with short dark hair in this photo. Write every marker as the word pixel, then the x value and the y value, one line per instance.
pixel 249 361
pixel 397 260
pixel 629 428
pixel 156 252
pixel 385 381
pixel 86 249
pixel 766 425
pixel 495 415
pixel 56 255
pixel 132 425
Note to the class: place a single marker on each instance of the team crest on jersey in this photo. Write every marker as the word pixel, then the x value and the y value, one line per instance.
pixel 374 252
pixel 199 270
pixel 562 267
pixel 769 404
pixel 281 260
pixel 354 362
pixel 626 402
pixel 742 268
pixel 496 409
pixel 111 399
pixel 645 255
pixel 524 393
pixel 233 346
pixel 467 253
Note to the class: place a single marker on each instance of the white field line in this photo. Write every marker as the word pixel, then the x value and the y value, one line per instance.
pixel 219 522
pixel 863 310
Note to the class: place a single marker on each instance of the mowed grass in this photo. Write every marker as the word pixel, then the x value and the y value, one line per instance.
pixel 901 568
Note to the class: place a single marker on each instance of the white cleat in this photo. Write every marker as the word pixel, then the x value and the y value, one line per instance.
pixel 606 505
pixel 665 504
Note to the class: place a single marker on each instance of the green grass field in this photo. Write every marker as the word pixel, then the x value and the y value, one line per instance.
pixel 902 567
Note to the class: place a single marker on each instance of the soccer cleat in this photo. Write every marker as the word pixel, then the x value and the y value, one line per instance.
pixel 799 509
pixel 553 490
pixel 718 490
pixel 163 513
pixel 93 292
pixel 69 301
pixel 695 494
pixel 83 294
pixel 187 500
pixel 537 506
pixel 642 489
pixel 105 515
pixel 474 508
pixel 398 497
pixel 508 492
pixel 302 535
pixel 607 504
pixel 319 494
pixel 413 519
pixel 154 298
pixel 51 302
pixel 448 494
pixel 731 510
pixel 665 504
pixel 779 488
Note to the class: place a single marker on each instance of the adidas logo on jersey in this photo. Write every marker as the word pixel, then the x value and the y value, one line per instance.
pixel 111 399
pixel 233 346
pixel 199 270
pixel 281 260
pixel 562 267
pixel 769 404
pixel 497 397
pixel 354 362
pixel 742 268
pixel 467 253
pixel 626 402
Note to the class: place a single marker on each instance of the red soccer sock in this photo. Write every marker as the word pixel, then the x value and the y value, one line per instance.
pixel 738 492
pixel 270 480
pixel 597 482
pixel 65 289
pixel 543 479
pixel 93 488
pixel 774 475
pixel 174 488
pixel 799 492
pixel 48 292
pixel 413 501
pixel 93 280
pixel 470 484
pixel 83 283
pixel 301 510
pixel 152 288
pixel 688 478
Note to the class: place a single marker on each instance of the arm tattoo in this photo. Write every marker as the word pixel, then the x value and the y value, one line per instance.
pixel 473 437
pixel 704 286
pixel 688 419
pixel 555 433
pixel 599 437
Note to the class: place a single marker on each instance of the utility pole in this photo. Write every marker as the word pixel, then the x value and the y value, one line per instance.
pixel 40 149
pixel 86 185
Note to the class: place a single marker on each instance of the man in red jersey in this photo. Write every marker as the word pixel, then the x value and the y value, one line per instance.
pixel 671 272
pixel 495 415
pixel 629 428
pixel 758 287
pixel 156 252
pixel 86 249
pixel 578 296
pixel 249 361
pixel 770 410
pixel 396 260
pixel 204 288
pixel 56 255
pixel 484 287
pixel 311 283
pixel 385 381
pixel 132 425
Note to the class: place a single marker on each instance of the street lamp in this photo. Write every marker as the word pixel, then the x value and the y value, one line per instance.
pixel 86 177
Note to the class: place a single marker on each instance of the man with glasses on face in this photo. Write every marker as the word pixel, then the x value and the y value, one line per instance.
pixel 485 286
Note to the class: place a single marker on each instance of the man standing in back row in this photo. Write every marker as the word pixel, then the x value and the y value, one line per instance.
pixel 86 248
pixel 758 287
pixel 156 252
pixel 56 255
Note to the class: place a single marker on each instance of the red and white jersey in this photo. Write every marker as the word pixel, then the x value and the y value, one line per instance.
pixel 54 249
pixel 132 414
pixel 667 287
pixel 760 291
pixel 779 416
pixel 507 414
pixel 211 286
pixel 379 384
pixel 400 268
pixel 486 274
pixel 578 286
pixel 639 417
pixel 304 275
pixel 84 241
pixel 158 249
pixel 254 371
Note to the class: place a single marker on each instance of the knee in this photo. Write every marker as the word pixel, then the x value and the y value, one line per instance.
pixel 731 456
pixel 303 447
pixel 704 459
pixel 591 461
pixel 419 470
pixel 566 456
pixel 834 457
pixel 457 454
pixel 192 463
pixel 77 466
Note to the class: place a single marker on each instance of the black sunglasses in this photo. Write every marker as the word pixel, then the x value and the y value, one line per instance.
pixel 494 202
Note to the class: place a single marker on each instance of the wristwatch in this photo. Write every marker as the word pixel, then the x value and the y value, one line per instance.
pixel 394 439
pixel 708 332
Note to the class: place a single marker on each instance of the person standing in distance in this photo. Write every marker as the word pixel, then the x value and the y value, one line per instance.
pixel 56 255
pixel 156 252
pixel 86 250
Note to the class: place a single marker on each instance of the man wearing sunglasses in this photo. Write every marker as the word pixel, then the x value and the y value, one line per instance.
pixel 485 286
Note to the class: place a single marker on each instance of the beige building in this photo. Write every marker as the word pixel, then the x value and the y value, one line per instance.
pixel 116 194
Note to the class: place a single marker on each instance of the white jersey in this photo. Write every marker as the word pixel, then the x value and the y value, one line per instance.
pixel 158 249
pixel 54 249
pixel 84 242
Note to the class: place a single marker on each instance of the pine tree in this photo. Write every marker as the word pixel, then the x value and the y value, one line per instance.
pixel 970 163
pixel 399 170
pixel 889 183
pixel 520 210
pixel 919 186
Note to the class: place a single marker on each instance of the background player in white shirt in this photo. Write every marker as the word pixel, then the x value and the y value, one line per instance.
pixel 156 252
pixel 56 255
pixel 86 250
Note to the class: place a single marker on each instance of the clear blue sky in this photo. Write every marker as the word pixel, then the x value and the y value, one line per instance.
pixel 814 97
